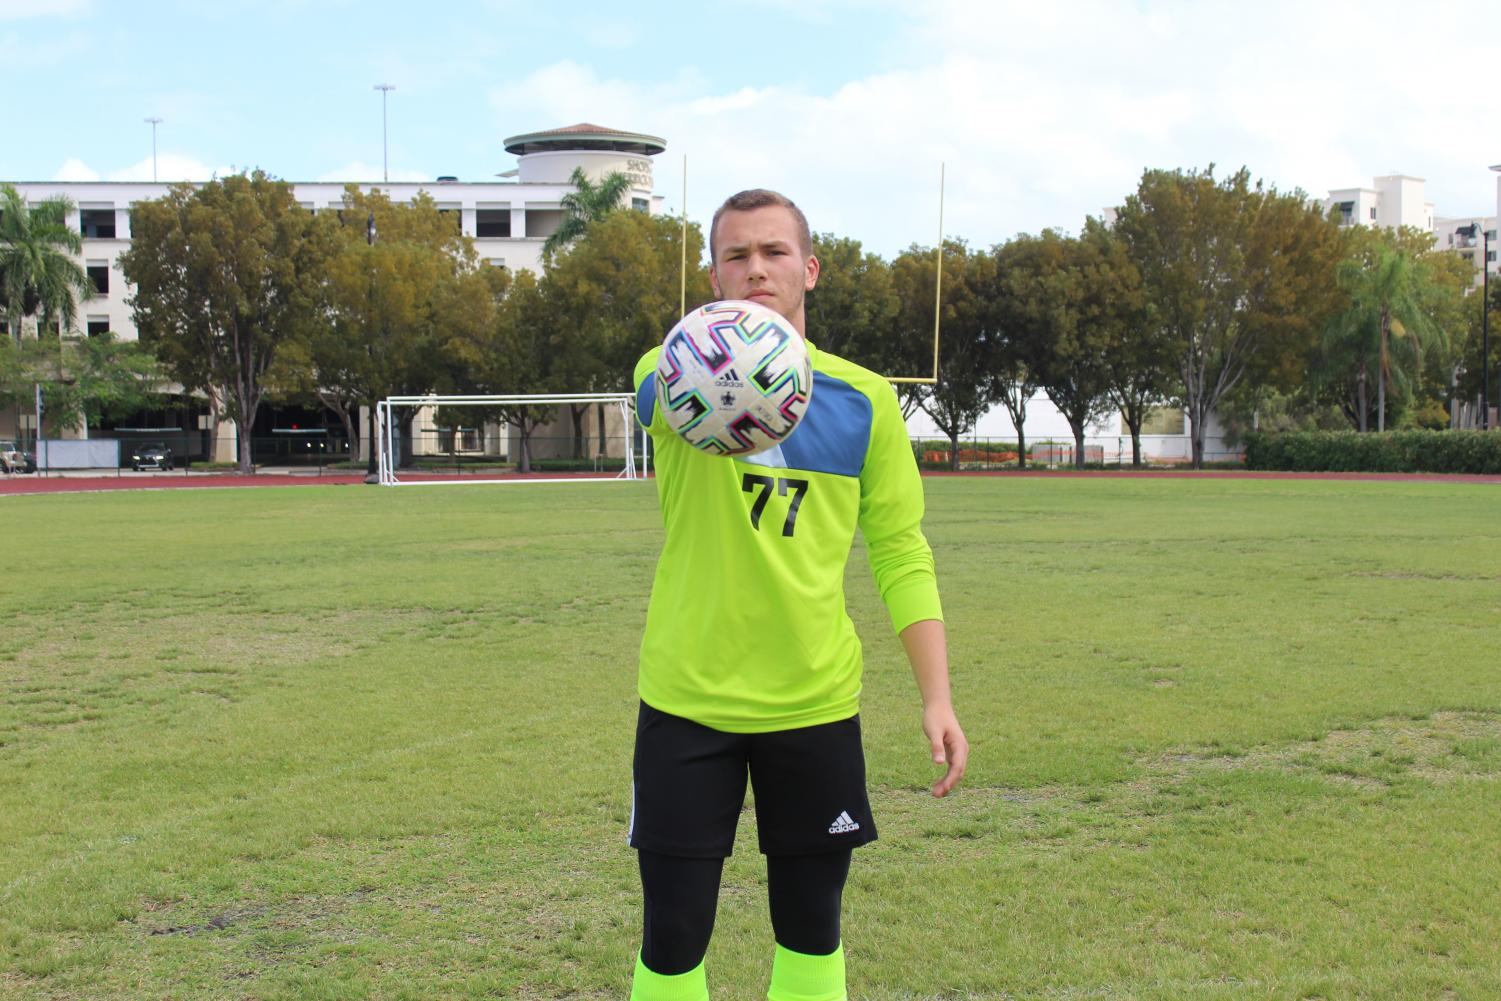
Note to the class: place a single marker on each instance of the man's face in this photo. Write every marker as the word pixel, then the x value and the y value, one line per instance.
pixel 759 257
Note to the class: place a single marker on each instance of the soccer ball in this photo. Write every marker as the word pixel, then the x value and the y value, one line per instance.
pixel 734 378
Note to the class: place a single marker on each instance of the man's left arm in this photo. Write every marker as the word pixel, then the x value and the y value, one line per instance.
pixel 926 643
pixel 891 511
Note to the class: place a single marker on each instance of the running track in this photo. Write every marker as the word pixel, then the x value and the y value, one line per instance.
pixel 35 484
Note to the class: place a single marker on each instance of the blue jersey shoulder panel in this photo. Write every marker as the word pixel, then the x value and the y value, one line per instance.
pixel 646 400
pixel 835 432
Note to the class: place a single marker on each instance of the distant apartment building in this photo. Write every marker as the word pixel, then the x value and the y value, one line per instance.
pixel 1391 201
pixel 1398 200
pixel 1473 238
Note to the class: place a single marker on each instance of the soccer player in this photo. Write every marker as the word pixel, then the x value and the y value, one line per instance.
pixel 749 662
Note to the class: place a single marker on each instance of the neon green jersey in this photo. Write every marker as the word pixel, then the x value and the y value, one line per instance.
pixel 747 631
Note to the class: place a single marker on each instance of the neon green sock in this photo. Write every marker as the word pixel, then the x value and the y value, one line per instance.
pixel 649 986
pixel 796 976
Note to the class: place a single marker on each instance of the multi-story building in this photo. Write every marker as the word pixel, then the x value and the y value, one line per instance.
pixel 1393 201
pixel 1473 238
pixel 509 218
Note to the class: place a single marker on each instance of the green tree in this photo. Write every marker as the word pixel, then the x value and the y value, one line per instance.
pixel 1394 297
pixel 1465 368
pixel 226 276
pixel 1019 344
pixel 512 355
pixel 965 385
pixel 86 380
pixel 585 205
pixel 39 271
pixel 387 306
pixel 853 310
pixel 1140 358
pixel 613 295
pixel 1238 279
pixel 1064 290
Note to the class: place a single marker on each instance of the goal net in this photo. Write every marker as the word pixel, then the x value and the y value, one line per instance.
pixel 537 438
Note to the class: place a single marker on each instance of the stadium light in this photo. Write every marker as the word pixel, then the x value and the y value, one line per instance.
pixel 1471 231
pixel 153 121
pixel 384 88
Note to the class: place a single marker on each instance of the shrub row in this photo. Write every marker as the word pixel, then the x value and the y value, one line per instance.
pixel 1388 452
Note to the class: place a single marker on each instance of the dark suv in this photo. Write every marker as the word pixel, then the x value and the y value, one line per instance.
pixel 151 455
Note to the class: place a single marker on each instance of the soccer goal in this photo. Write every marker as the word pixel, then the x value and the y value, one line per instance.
pixel 632 444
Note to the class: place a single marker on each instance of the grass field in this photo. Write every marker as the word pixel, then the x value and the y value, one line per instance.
pixel 1232 739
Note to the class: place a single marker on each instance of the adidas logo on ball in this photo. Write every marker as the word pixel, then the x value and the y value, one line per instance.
pixel 733 378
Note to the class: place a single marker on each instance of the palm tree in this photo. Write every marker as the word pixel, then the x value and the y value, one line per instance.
pixel 587 203
pixel 39 269
pixel 1389 292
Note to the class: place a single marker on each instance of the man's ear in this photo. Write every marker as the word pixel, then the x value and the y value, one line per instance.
pixel 811 278
pixel 714 281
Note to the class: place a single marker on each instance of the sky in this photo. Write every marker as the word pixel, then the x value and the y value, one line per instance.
pixel 1038 113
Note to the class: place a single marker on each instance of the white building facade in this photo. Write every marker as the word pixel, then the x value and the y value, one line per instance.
pixel 508 218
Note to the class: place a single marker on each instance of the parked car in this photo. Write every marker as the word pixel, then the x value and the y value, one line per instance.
pixel 151 455
pixel 15 459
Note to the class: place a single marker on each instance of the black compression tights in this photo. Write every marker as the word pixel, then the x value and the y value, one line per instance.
pixel 681 895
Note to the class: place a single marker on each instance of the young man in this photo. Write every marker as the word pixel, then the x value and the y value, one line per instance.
pixel 749 663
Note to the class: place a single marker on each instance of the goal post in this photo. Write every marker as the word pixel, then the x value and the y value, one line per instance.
pixel 635 450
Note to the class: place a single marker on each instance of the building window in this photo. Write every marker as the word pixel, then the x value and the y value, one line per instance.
pixel 99 275
pixel 1490 257
pixel 97 224
pixel 542 223
pixel 1163 420
pixel 460 440
pixel 498 262
pixel 1468 256
pixel 1346 212
pixel 454 217
pixel 492 224
pixel 640 204
pixel 1373 213
pixel 98 326
pixel 1490 234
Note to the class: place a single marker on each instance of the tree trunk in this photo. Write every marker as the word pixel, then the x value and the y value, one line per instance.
pixel 247 467
pixel 1021 446
pixel 1135 428
pixel 525 466
pixel 1078 430
pixel 1381 377
pixel 1196 438
pixel 370 426
pixel 604 444
pixel 1360 400
pixel 350 432
pixel 954 450
pixel 580 439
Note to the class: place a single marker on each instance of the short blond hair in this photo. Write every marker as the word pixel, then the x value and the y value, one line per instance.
pixel 760 198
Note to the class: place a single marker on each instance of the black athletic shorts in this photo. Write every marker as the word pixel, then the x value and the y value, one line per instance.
pixel 689 784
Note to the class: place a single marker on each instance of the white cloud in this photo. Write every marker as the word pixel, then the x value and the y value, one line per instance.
pixel 372 173
pixel 74 169
pixel 1046 113
pixel 171 167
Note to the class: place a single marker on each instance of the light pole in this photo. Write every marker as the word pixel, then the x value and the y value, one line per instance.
pixel 1472 230
pixel 384 88
pixel 153 121
pixel 371 474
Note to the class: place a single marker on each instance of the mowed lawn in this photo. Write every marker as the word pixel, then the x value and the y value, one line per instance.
pixel 1232 739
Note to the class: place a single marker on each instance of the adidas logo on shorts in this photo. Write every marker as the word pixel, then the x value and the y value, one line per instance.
pixel 843 824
